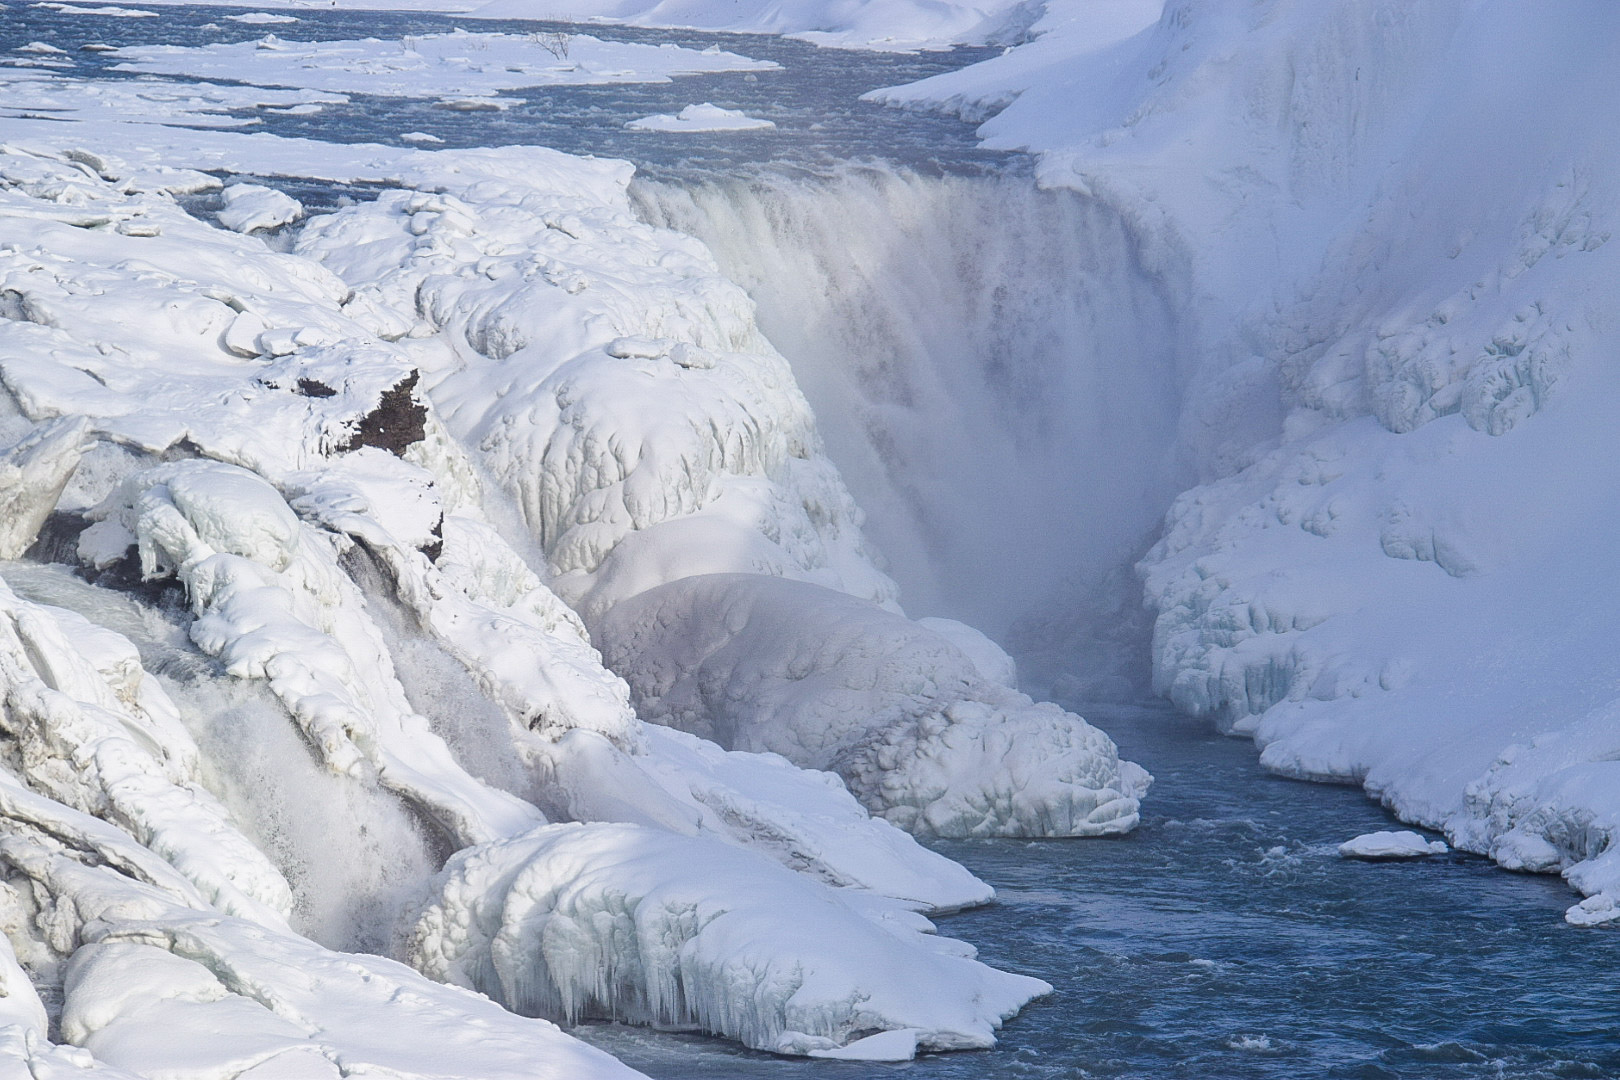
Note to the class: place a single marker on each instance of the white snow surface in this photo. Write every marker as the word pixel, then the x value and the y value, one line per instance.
pixel 833 682
pixel 632 923
pixel 1396 220
pixel 299 452
pixel 249 207
pixel 1402 844
pixel 704 117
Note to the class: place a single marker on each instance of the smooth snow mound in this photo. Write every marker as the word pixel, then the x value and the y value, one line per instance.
pixel 249 207
pixel 704 117
pixel 833 682
pixel 633 923
pixel 1391 845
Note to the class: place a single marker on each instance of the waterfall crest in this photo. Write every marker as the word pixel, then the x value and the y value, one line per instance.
pixel 992 367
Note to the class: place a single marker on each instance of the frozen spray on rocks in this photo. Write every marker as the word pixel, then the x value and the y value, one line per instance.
pixel 363 403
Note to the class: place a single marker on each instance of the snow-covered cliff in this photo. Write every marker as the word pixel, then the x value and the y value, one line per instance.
pixel 1397 221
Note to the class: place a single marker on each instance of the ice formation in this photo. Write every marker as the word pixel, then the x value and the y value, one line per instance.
pixel 902 714
pixel 307 468
pixel 704 117
pixel 459 64
pixel 636 924
pixel 1403 844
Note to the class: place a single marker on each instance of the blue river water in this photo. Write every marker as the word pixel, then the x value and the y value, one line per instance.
pixel 1224 938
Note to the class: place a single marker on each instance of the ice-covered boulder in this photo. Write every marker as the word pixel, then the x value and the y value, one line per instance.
pixel 628 922
pixel 166 989
pixel 904 716
pixel 250 207
pixel 32 476
pixel 1402 844
pixel 99 734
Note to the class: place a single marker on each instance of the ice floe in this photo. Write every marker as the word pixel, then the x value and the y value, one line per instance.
pixel 704 117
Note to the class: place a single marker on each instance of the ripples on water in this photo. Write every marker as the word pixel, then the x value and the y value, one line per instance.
pixel 813 99
pixel 1224 938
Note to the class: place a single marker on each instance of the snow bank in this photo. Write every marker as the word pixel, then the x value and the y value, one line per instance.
pixel 1397 219
pixel 704 117
pixel 903 715
pixel 62 96
pixel 632 923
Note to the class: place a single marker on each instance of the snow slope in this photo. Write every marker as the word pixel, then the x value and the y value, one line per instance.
pixel 274 450
pixel 1397 221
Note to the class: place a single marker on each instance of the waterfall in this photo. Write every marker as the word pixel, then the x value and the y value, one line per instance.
pixel 992 368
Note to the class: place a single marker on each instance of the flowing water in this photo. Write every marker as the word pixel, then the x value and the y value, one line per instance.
pixel 1225 938
pixel 998 373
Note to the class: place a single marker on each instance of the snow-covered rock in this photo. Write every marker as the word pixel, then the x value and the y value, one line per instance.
pixel 249 207
pixel 32 476
pixel 268 437
pixel 704 117
pixel 629 922
pixel 1403 844
pixel 833 682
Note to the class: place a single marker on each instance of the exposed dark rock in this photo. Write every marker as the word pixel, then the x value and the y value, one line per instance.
pixel 398 420
pixel 315 388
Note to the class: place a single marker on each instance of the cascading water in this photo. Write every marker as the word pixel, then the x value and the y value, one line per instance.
pixel 992 367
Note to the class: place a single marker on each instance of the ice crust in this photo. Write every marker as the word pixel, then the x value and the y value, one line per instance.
pixel 455 66
pixel 704 117
pixel 290 455
pixel 903 715
pixel 632 923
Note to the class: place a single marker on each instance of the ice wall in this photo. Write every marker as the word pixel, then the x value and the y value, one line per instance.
pixel 996 369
